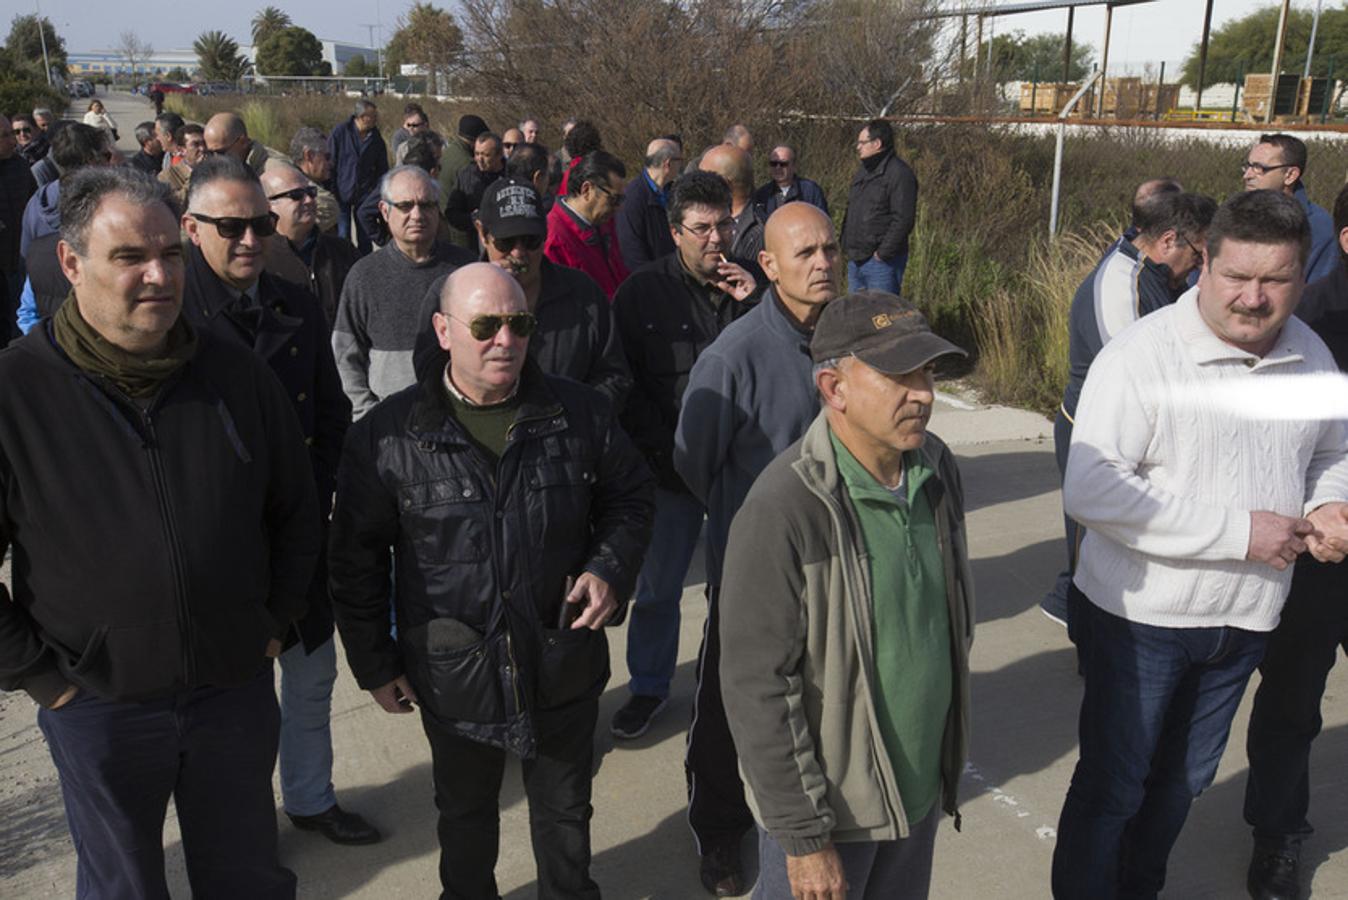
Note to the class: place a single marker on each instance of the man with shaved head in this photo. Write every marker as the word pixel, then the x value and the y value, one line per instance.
pixel 301 252
pixel 518 511
pixel 749 397
pixel 226 133
pixel 737 168
pixel 738 135
pixel 642 222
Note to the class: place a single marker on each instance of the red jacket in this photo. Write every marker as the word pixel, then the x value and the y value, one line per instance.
pixel 594 251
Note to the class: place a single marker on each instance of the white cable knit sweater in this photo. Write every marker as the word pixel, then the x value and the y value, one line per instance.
pixel 1167 463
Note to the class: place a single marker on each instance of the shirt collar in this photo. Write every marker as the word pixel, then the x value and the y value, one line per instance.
pixel 1205 347
pixel 459 395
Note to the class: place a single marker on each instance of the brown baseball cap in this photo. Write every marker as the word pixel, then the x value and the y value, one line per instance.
pixel 882 330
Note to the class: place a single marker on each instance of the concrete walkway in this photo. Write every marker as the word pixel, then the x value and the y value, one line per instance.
pixel 1026 695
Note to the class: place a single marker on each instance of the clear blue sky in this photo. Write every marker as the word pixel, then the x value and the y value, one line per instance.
pixel 1149 32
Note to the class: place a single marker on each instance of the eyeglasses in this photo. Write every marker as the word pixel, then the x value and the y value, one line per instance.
pixel 861 142
pixel 406 206
pixel 1198 253
pixel 509 145
pixel 412 126
pixel 779 163
pixel 1260 167
pixel 527 241
pixel 484 328
pixel 297 194
pixel 616 198
pixel 232 227
pixel 703 231
pixel 23 130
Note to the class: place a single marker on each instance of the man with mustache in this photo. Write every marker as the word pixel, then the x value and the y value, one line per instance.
pixel 848 620
pixel 749 397
pixel 575 335
pixel 1195 503
pixel 518 511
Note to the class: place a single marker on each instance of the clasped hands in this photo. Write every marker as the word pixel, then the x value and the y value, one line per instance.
pixel 1278 540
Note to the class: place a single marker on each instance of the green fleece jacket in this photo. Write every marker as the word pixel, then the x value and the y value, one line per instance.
pixel 797 651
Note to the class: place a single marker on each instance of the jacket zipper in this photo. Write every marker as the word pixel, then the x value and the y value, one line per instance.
pixel 174 547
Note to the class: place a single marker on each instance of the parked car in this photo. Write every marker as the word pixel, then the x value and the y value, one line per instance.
pixel 171 87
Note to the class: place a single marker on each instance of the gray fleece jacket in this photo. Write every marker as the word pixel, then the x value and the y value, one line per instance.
pixel 377 320
pixel 797 655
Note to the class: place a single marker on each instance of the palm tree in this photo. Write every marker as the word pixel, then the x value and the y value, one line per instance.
pixel 267 22
pixel 219 57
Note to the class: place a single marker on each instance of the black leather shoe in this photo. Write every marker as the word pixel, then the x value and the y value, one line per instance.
pixel 1273 876
pixel 722 873
pixel 339 826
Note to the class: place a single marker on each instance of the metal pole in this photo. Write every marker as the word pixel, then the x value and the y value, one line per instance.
pixel 1203 57
pixel 1104 67
pixel 1034 89
pixel 1310 48
pixel 1329 89
pixel 1160 87
pixel 1057 154
pixel 1235 95
pixel 1277 60
pixel 42 36
pixel 379 48
pixel 964 43
pixel 978 45
pixel 1067 47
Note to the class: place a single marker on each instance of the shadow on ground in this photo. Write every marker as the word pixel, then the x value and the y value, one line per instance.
pixel 1006 477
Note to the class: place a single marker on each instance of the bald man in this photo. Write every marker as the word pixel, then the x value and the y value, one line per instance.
pixel 642 222
pixel 226 133
pixel 737 168
pixel 749 397
pixel 522 594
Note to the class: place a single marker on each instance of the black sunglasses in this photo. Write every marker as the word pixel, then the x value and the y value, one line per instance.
pixel 775 163
pixel 484 328
pixel 527 241
pixel 232 227
pixel 406 206
pixel 18 130
pixel 296 194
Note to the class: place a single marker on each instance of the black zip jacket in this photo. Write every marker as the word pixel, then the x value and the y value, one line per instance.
pixel 153 550
pixel 489 548
pixel 285 329
pixel 575 336
pixel 881 211
pixel 665 320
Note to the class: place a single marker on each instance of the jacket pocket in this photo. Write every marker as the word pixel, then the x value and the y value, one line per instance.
pixel 573 666
pixel 446 519
pixel 559 504
pixel 462 683
pixel 132 662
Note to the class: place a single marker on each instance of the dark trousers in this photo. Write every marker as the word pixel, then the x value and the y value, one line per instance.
pixel 1154 721
pixel 557 783
pixel 1056 600
pixel 347 222
pixel 717 811
pixel 1286 716
pixel 212 750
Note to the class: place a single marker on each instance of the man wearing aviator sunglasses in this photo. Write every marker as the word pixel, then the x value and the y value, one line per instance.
pixel 575 335
pixel 786 185
pixel 1277 163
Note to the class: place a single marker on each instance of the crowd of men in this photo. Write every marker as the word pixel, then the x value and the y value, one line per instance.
pixel 461 399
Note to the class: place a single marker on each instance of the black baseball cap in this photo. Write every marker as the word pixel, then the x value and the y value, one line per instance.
pixel 884 331
pixel 511 208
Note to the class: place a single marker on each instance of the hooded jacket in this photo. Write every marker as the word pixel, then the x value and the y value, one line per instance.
pixel 42 215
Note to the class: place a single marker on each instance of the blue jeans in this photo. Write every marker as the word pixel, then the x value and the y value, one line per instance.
pixel 653 629
pixel 877 274
pixel 1154 721
pixel 306 731
pixel 1055 601
pixel 212 750
pixel 345 217
pixel 875 870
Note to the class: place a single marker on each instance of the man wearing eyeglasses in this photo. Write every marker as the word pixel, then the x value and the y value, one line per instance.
pixel 226 134
pixel 229 294
pixel 33 143
pixel 786 185
pixel 881 212
pixel 575 335
pixel 512 138
pixel 518 511
pixel 16 186
pixel 642 222
pixel 302 253
pixel 376 329
pixel 581 230
pixel 415 121
pixel 668 312
pixel 1276 163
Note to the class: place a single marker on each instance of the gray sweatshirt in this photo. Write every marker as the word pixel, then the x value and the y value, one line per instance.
pixel 377 321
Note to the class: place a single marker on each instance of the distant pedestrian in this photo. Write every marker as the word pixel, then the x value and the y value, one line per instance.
pixel 642 223
pixel 848 621
pixel 1196 499
pixel 881 212
pixel 359 159
pixel 150 158
pixel 471 182
pixel 785 185
pixel 98 117
pixel 1277 162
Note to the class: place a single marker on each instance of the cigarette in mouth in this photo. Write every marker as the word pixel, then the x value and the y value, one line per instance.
pixel 723 259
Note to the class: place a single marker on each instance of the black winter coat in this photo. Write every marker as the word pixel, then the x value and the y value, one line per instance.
pixel 642 225
pixel 287 331
pixel 489 548
pixel 469 185
pixel 881 211
pixel 154 550
pixel 665 320
pixel 49 283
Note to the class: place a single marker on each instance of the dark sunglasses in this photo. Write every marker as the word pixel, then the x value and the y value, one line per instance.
pixel 296 194
pixel 776 163
pixel 23 131
pixel 484 328
pixel 232 227
pixel 527 241
pixel 406 206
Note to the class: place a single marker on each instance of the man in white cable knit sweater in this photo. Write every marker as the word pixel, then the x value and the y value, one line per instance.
pixel 1196 499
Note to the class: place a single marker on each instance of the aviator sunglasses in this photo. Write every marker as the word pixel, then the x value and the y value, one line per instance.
pixel 296 194
pixel 484 328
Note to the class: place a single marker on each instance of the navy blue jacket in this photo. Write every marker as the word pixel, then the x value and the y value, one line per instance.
pixel 769 197
pixel 357 163
pixel 1324 258
pixel 643 225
